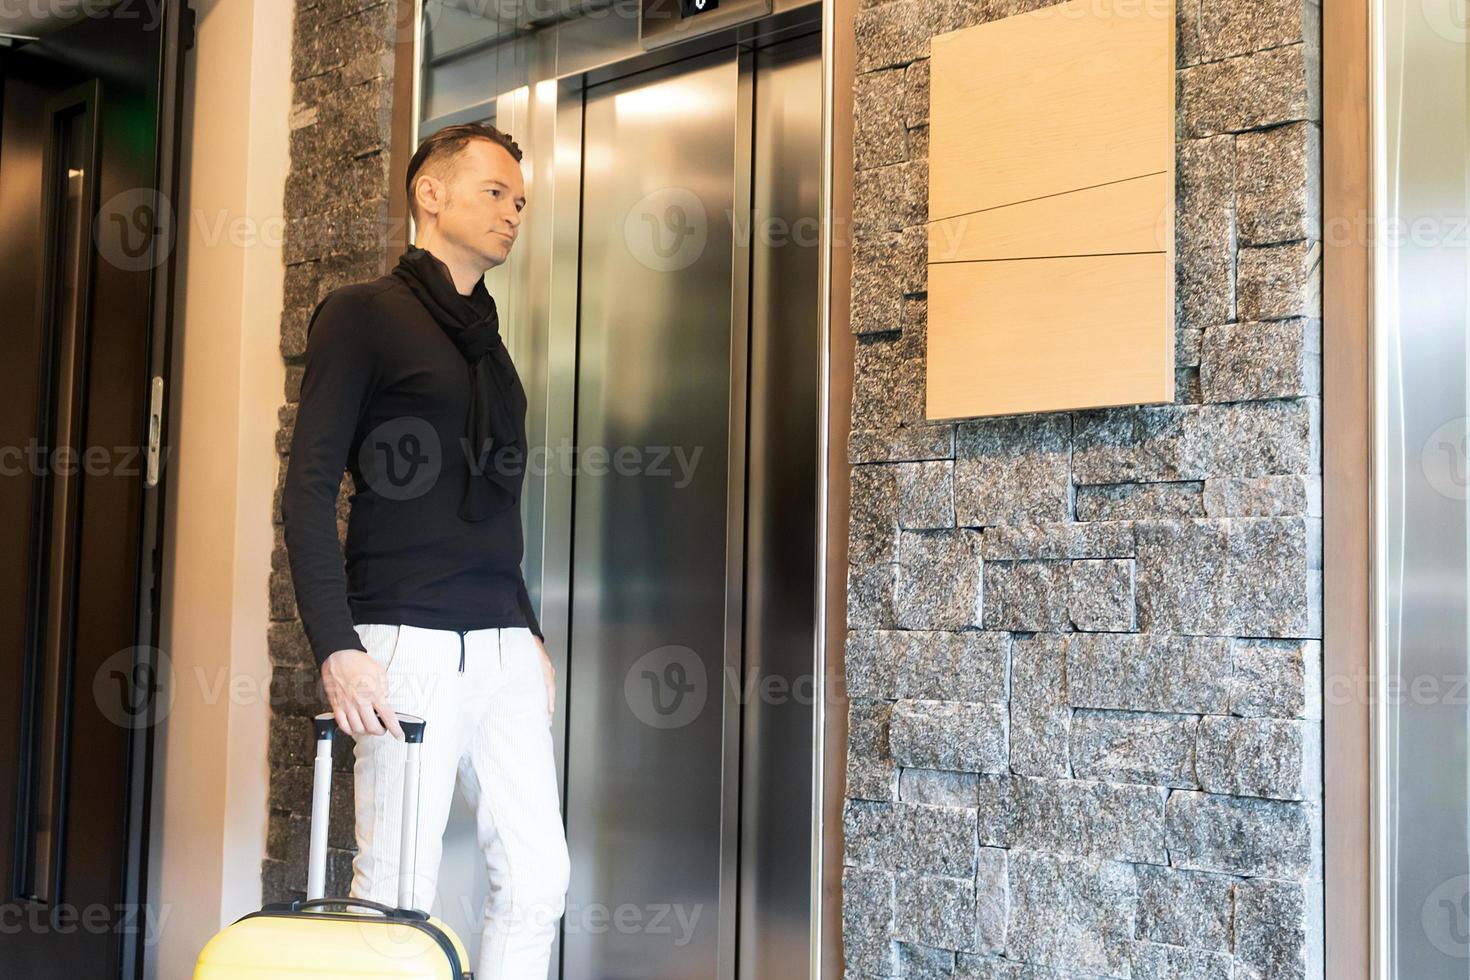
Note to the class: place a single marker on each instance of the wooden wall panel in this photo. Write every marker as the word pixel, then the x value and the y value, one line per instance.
pixel 1051 207
pixel 1030 335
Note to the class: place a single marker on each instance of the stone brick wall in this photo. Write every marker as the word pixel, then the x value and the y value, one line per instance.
pixel 1084 648
pixel 337 232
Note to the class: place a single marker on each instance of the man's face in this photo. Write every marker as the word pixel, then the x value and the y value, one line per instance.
pixel 482 211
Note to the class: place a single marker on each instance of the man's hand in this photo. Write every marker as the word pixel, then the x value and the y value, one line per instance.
pixel 357 690
pixel 549 673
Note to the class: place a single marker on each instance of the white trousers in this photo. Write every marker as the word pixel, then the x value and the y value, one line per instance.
pixel 488 726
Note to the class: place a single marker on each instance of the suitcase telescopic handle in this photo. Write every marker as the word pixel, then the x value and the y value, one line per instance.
pixel 325 727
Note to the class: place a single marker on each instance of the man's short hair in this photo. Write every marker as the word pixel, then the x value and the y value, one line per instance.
pixel 446 144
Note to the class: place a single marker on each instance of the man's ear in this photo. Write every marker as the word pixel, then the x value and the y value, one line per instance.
pixel 429 193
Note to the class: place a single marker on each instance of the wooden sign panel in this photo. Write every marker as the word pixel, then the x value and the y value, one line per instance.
pixel 1051 211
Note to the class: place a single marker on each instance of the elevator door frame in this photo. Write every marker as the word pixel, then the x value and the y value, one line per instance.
pixel 541 308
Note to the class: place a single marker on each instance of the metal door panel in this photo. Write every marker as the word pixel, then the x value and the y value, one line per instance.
pixel 781 498
pixel 645 786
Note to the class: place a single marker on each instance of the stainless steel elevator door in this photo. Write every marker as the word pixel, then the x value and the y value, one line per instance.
pixel 689 705
pixel 645 719
pixel 781 507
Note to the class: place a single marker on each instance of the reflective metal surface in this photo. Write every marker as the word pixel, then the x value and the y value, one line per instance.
pixel 648 645
pixel 662 309
pixel 1422 486
pixel 778 684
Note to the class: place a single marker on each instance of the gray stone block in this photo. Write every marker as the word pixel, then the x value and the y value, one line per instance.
pixel 888 386
pixel 1274 359
pixel 344 230
pixel 872 534
pixel 995 809
pixel 1071 913
pixel 1032 542
pixel 1140 501
pixel 873 661
pixel 924 962
pixel 971 966
pixel 992 898
pixel 1204 231
pixel 935 911
pixel 877 298
pixel 1278 930
pixel 1264 496
pixel 287 646
pixel 1152 961
pixel 931 665
pixel 1278 184
pixel 1238 835
pixel 1187 44
pixel 1027 595
pixel 1233 27
pixel 1040 717
pixel 1012 470
pixel 1251 576
pixel 1186 386
pixel 926 495
pixel 937 840
pixel 1250 92
pixel 1143 672
pixel 867 907
pixel 912 262
pixel 918 142
pixel 939 788
pixel 878 110
pixel 901 443
pixel 890 198
pixel 916 315
pixel 1278 281
pixel 867 922
pixel 1088 819
pixel 1275 758
pixel 893 33
pixel 939 579
pixel 870 596
pixel 972 665
pixel 871 779
pixel 916 94
pixel 1101 595
pixel 1187 346
pixel 1194 442
pixel 872 773
pixel 1186 908
pixel 950 735
pixel 1277 679
pixel 1135 747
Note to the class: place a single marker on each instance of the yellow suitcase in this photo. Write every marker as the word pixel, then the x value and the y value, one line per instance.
pixel 322 937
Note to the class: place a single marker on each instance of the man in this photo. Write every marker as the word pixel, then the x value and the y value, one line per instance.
pixel 408 384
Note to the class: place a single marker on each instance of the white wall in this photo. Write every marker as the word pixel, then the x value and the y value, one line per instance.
pixel 212 777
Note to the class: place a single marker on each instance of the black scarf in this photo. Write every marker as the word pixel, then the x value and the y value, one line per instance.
pixel 496 427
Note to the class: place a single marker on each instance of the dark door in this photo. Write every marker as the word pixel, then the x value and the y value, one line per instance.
pixel 87 142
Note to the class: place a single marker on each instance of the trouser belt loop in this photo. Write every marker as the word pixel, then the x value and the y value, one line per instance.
pixel 500 643
pixel 461 650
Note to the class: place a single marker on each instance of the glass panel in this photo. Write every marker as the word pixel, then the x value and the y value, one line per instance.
pixel 1420 261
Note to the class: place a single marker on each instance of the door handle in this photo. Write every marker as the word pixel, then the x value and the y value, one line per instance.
pixel 155 428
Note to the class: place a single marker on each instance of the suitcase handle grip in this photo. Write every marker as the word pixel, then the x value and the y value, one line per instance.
pixel 325 725
pixel 363 903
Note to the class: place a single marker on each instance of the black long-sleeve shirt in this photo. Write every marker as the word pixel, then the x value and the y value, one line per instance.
pixel 385 393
